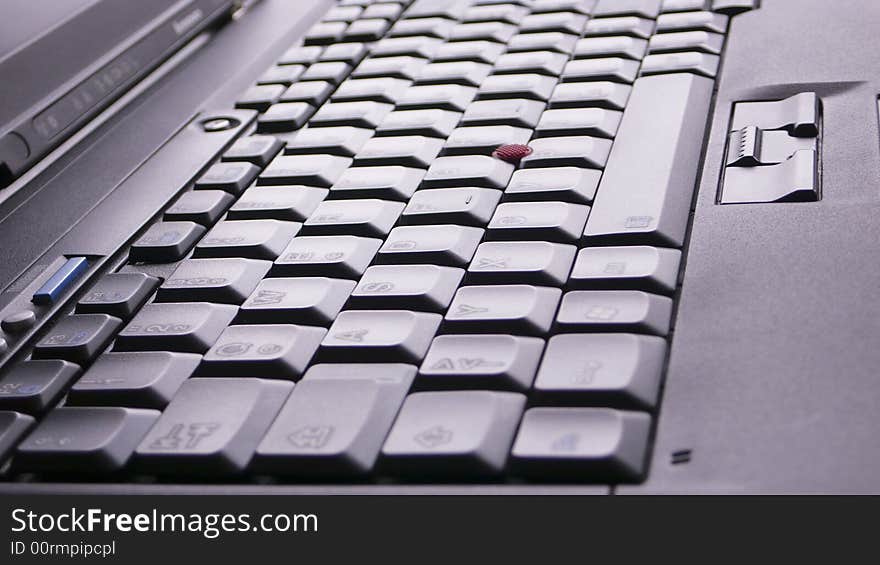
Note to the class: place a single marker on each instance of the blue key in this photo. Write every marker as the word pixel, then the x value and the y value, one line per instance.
pixel 60 281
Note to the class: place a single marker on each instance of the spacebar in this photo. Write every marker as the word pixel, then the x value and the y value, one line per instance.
pixel 646 191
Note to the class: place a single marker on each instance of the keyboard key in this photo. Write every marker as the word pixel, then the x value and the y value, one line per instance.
pixel 477 51
pixel 358 114
pixel 342 14
pixel 516 309
pixel 281 75
pixel 466 73
pixel 229 177
pixel 515 112
pixel 636 267
pixel 192 437
pixel 548 221
pixel 187 327
pixel 335 420
pixel 300 300
pixel 351 53
pixel 384 11
pixel 574 151
pixel 473 170
pixel 77 337
pixel 431 27
pixel 284 117
pixel 553 41
pixel 438 245
pixel 567 184
pixel 411 287
pixel 703 41
pixel 541 62
pixel 453 97
pixel 497 362
pixel 462 206
pixel 200 206
pixel 165 242
pixel 613 46
pixel 135 379
pixel 379 335
pixel 33 386
pixel 582 444
pixel 692 21
pixel 407 151
pixel 388 183
pixel 342 141
pixel 498 32
pixel 300 55
pixel 369 29
pixel 643 8
pixel 252 239
pixel 344 256
pixel 602 369
pixel 293 203
pixel 333 72
pixel 613 311
pixel 87 440
pixel 314 93
pixel 385 90
pixel 483 139
pixel 464 433
pixel 13 426
pixel 260 97
pixel 562 22
pixel 278 351
pixel 310 170
pixel 117 294
pixel 228 281
pixel 641 28
pixel 691 61
pixel 431 123
pixel 652 202
pixel 530 86
pixel 405 67
pixel 450 9
pixel 507 13
pixel 366 217
pixel 612 69
pixel 324 33
pixel 600 94
pixel 422 47
pixel 527 262
pixel 597 122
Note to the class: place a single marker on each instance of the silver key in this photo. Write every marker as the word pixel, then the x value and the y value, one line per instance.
pixel 474 170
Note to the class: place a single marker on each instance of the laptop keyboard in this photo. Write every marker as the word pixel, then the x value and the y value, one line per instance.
pixel 448 251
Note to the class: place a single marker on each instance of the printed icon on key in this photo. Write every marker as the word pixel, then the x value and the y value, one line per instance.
pixel 433 437
pixel 311 437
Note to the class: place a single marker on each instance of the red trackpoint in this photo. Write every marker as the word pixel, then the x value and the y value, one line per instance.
pixel 512 152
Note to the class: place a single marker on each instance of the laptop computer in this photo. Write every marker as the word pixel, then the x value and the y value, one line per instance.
pixel 517 246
